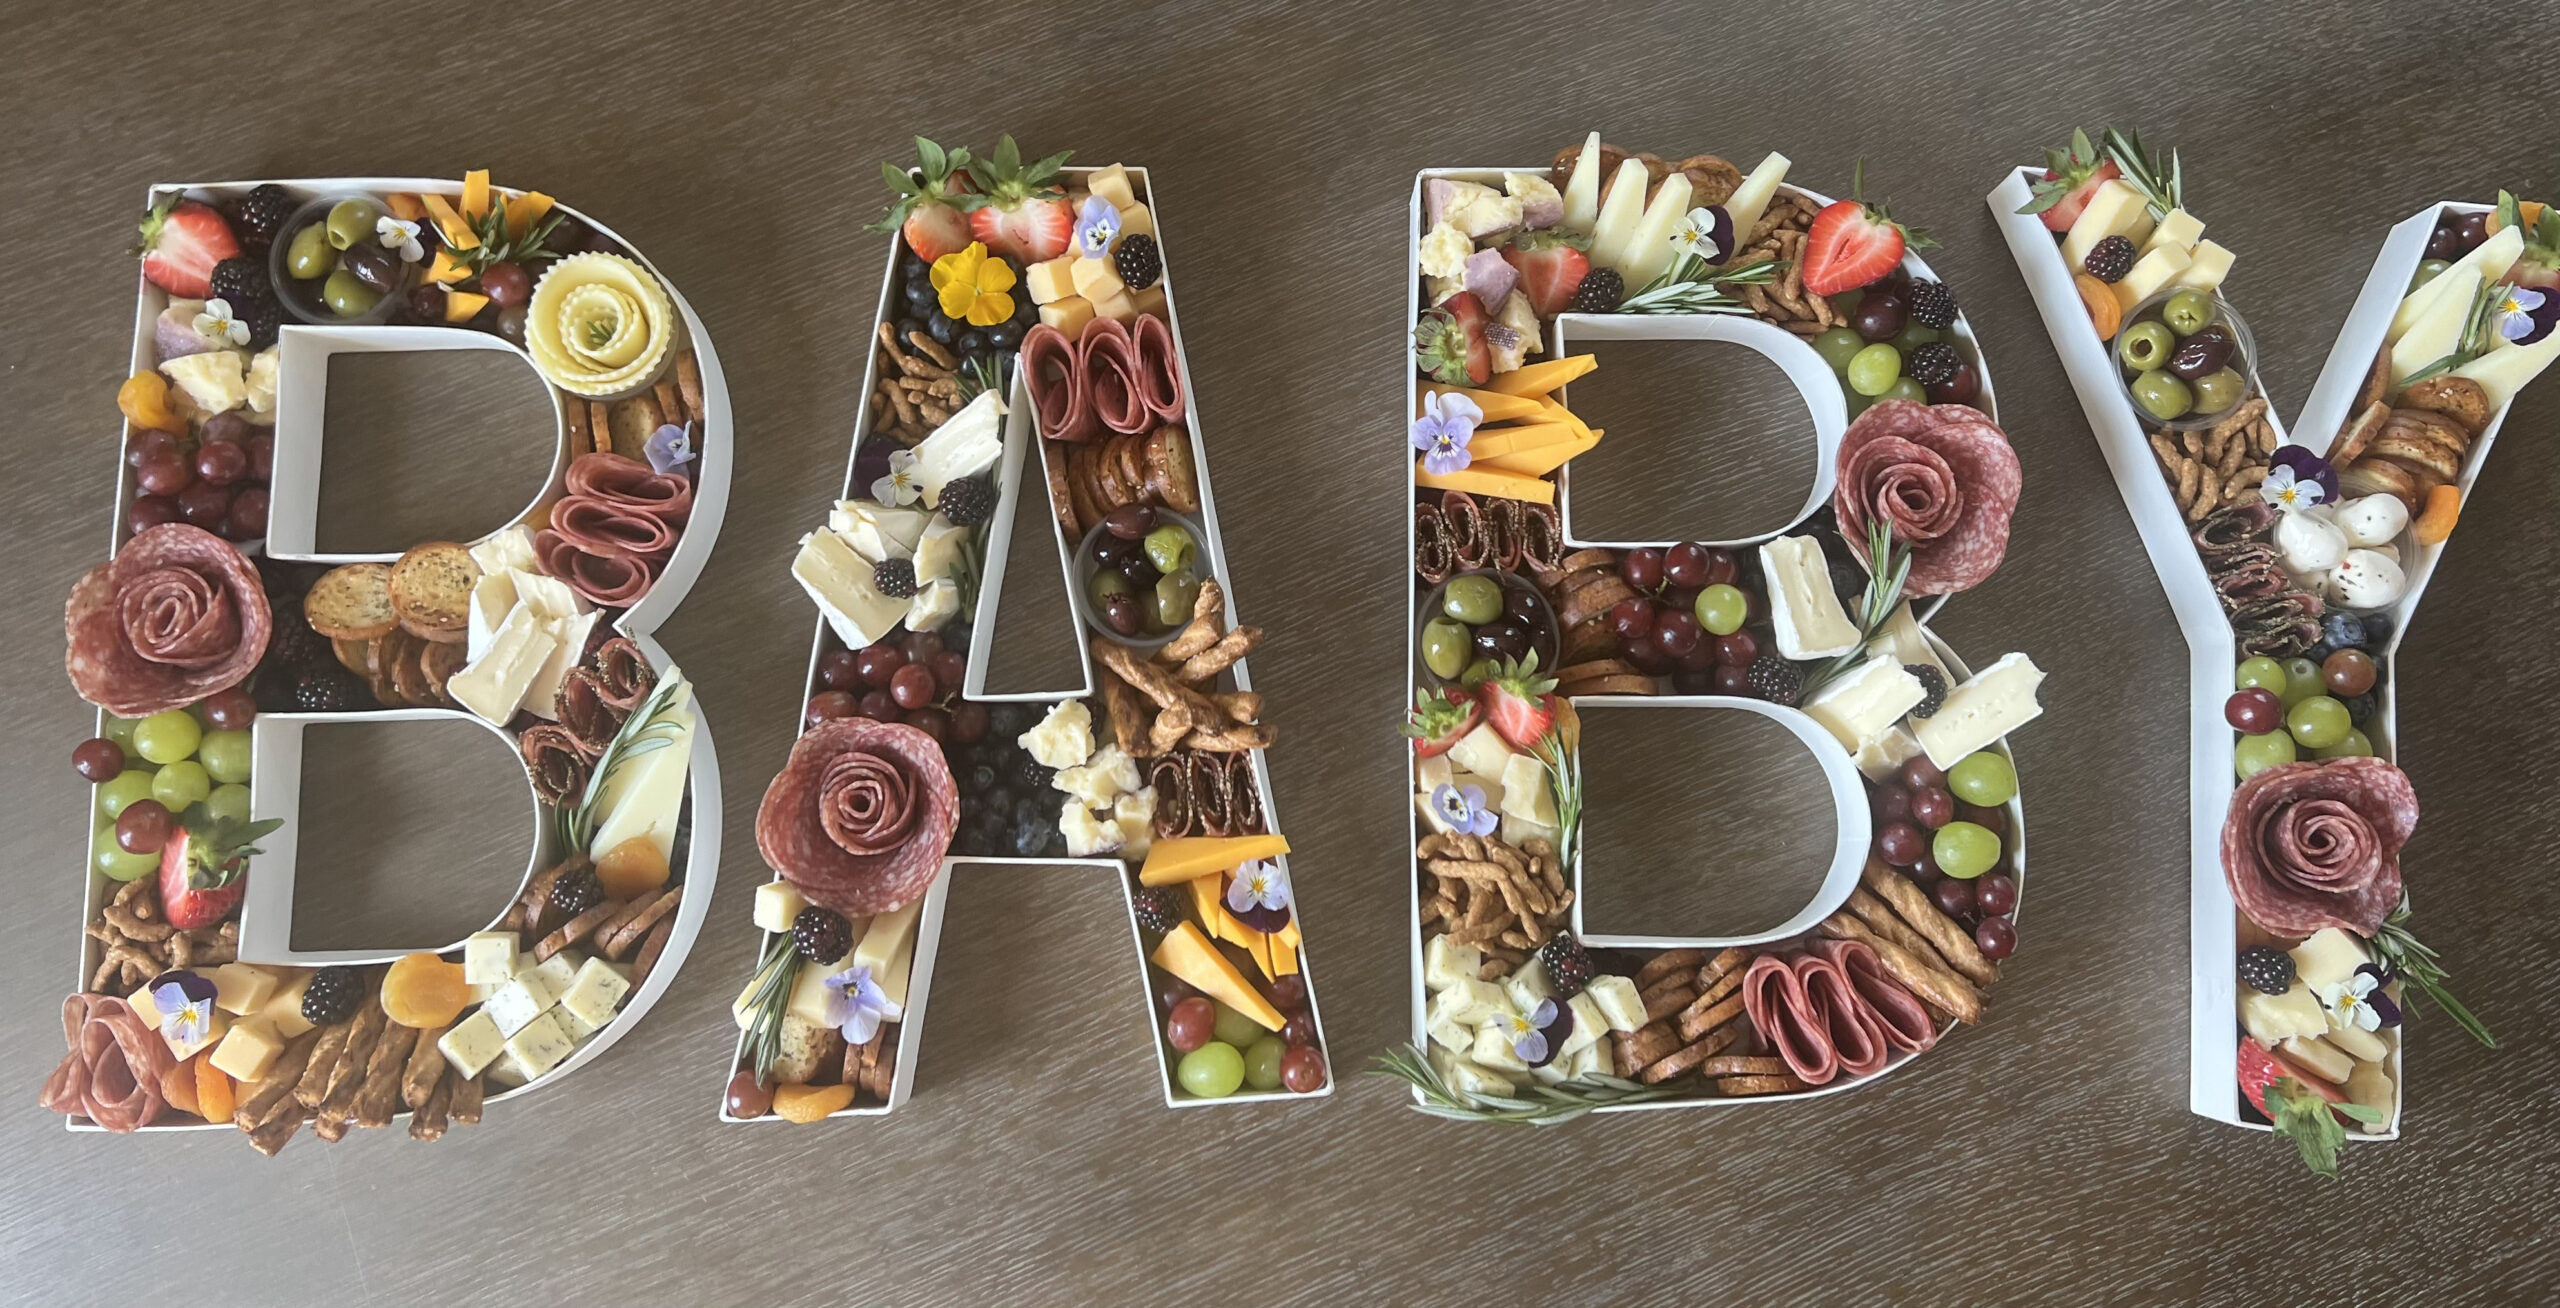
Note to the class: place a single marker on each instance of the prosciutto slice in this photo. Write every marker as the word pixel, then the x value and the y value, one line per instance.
pixel 2317 844
pixel 1943 477
pixel 177 615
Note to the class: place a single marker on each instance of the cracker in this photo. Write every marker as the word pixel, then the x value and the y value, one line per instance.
pixel 1690 1055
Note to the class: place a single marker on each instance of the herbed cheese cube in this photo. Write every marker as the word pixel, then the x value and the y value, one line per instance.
pixel 777 903
pixel 1445 963
pixel 472 1044
pixel 594 993
pixel 489 958
pixel 1470 1002
pixel 1589 1023
pixel 1449 1034
pixel 1591 1059
pixel 1620 1004
pixel 1526 985
pixel 1493 1049
pixel 539 1046
pixel 579 1031
pixel 1467 1076
pixel 1064 738
pixel 515 1004
pixel 559 970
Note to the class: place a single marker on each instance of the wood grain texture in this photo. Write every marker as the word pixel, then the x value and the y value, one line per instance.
pixel 2047 1158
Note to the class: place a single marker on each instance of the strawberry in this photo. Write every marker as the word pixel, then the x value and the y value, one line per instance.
pixel 1449 342
pixel 2304 1109
pixel 2070 178
pixel 1439 722
pixel 202 864
pixel 933 214
pixel 181 242
pixel 1518 702
pixel 1550 271
pixel 1024 215
pixel 1854 244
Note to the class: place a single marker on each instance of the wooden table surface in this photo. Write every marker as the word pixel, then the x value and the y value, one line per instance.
pixel 2047 1157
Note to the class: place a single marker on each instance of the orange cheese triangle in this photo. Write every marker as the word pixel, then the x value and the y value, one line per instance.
pixel 1488 481
pixel 1183 858
pixel 1187 954
pixel 1540 378
pixel 1497 406
pixel 1544 459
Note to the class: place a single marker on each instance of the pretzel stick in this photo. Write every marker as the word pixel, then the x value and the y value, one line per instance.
pixel 1953 944
pixel 1879 918
pixel 274 1094
pixel 1207 610
pixel 427 1123
pixel 380 1094
pixel 426 1067
pixel 314 1084
pixel 1128 718
pixel 466 1100
pixel 1232 739
pixel 1944 990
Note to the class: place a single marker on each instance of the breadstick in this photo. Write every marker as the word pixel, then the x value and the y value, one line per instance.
pixel 1944 990
pixel 381 1091
pixel 427 1123
pixel 1953 943
pixel 314 1083
pixel 465 1107
pixel 426 1067
pixel 1879 918
pixel 1207 610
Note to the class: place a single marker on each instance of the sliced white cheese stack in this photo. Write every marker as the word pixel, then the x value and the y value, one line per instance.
pixel 1649 250
pixel 2487 262
pixel 510 582
pixel 889 949
pixel 2505 369
pixel 877 531
pixel 495 684
pixel 1803 609
pixel 2115 209
pixel 970 443
pixel 1582 189
pixel 644 794
pixel 1990 704
pixel 1620 210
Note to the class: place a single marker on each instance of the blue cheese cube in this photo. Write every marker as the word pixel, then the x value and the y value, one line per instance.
pixel 472 1044
pixel 1445 963
pixel 1617 1000
pixel 539 1046
pixel 514 1005
pixel 594 993
pixel 489 958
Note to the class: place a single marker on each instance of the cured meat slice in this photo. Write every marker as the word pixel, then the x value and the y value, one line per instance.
pixel 1943 477
pixel 623 482
pixel 1435 559
pixel 2278 626
pixel 623 675
pixel 860 816
pixel 1247 793
pixel 1541 537
pixel 597 527
pixel 1833 1010
pixel 1468 541
pixel 2317 844
pixel 2225 531
pixel 1159 369
pixel 1171 778
pixel 1857 1034
pixel 1213 800
pixel 1502 528
pixel 613 528
pixel 1107 373
pixel 583 713
pixel 1058 399
pixel 614 580
pixel 556 760
pixel 177 615
pixel 1900 1015
pixel 113 1066
pixel 1773 998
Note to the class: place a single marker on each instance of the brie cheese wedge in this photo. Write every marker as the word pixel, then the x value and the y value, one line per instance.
pixel 1803 609
pixel 1990 704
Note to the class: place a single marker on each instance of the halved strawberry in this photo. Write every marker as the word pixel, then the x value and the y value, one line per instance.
pixel 1449 342
pixel 2070 178
pixel 181 242
pixel 2303 1108
pixel 1023 214
pixel 1551 270
pixel 1518 702
pixel 1853 243
pixel 202 864
pixel 1439 721
pixel 933 214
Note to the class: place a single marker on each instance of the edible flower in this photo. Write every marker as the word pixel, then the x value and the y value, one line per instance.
pixel 670 447
pixel 857 1005
pixel 1463 808
pixel 1529 1031
pixel 1097 226
pixel 2298 480
pixel 185 1021
pixel 900 487
pixel 399 234
pixel 1447 424
pixel 2359 1002
pixel 1258 884
pixel 215 323
pixel 1696 235
pixel 2514 314
pixel 972 285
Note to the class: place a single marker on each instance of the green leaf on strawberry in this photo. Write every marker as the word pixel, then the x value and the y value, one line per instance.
pixel 2311 1123
pixel 219 848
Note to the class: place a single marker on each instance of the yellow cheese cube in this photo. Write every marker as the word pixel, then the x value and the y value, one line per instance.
pixel 525 210
pixel 778 903
pixel 1136 220
pixel 1112 184
pixel 447 270
pixel 247 1052
pixel 240 988
pixel 1151 302
pixel 283 1009
pixel 405 206
pixel 1068 315
pixel 1096 279
pixel 1052 281
pixel 1117 306
pixel 463 306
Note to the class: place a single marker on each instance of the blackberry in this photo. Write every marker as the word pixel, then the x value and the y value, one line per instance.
pixel 238 281
pixel 895 578
pixel 1137 261
pixel 294 646
pixel 1155 910
pixel 575 891
pixel 328 690
pixel 1035 775
pixel 2267 969
pixel 968 501
pixel 1933 305
pixel 332 995
pixel 263 314
pixel 1933 363
pixel 1932 681
pixel 1568 967
pixel 1600 292
pixel 2110 259
pixel 821 934
pixel 258 217
pixel 1776 680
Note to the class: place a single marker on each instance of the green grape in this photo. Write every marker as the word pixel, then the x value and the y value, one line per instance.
pixel 120 730
pixel 1477 672
pixel 228 802
pixel 1235 1028
pixel 1965 850
pixel 2355 745
pixel 1445 645
pixel 2427 272
pixel 2318 722
pixel 168 737
pixel 1837 346
pixel 1262 1062
pixel 1984 779
pixel 1873 369
pixel 1472 599
pixel 1914 334
pixel 225 754
pixel 1169 548
pixel 2255 754
pixel 2302 680
pixel 115 864
pixel 1212 1071
pixel 2262 674
pixel 180 784
pixel 1903 388
pixel 1722 608
pixel 115 793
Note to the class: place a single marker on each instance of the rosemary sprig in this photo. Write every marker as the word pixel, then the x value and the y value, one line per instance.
pixel 1692 285
pixel 1560 753
pixel 1884 591
pixel 2163 187
pixel 2474 340
pixel 2409 959
pixel 650 728
pixel 776 974
pixel 1547 1105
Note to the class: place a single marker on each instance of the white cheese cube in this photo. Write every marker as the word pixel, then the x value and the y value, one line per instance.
pixel 887 947
pixel 1517 830
pixel 539 1046
pixel 1467 1076
pixel 1804 612
pixel 2209 265
pixel 1482 751
pixel 1525 793
pixel 1088 836
pixel 2356 1042
pixel 1136 814
pixel 2319 1057
pixel 1470 1002
pixel 1990 704
pixel 935 603
pixel 808 1000
pixel 260 386
pixel 1620 1004
pixel 1589 1023
pixel 2150 272
pixel 1064 738
pixel 1448 1034
pixel 1863 703
pixel 1430 813
pixel 283 1009
pixel 514 1005
pixel 1526 985
pixel 489 958
pixel 1445 963
pixel 2328 958
pixel 216 1027
pixel 1102 778
pixel 938 549
pixel 472 1044
pixel 594 993
pixel 839 581
pixel 559 970
pixel 2114 209
pixel 1493 1048
pixel 1429 774
pixel 777 903
pixel 2178 229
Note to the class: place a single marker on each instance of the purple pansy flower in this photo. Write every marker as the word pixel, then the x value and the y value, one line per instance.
pixel 1097 226
pixel 670 447
pixel 857 1005
pixel 2298 479
pixel 1463 808
pixel 186 1012
pixel 1529 1031
pixel 2359 1002
pixel 1442 433
pixel 2514 314
pixel 1258 884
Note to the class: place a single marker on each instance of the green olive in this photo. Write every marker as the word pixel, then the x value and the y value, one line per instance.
pixel 1169 548
pixel 1444 648
pixel 309 257
pixel 2427 272
pixel 1104 584
pixel 1472 599
pixel 351 223
pixel 1176 592
pixel 2188 311
pixel 2146 345
pixel 2218 391
pixel 348 297
pixel 1903 388
pixel 2162 395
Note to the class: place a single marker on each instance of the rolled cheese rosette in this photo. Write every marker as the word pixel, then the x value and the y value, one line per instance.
pixel 598 325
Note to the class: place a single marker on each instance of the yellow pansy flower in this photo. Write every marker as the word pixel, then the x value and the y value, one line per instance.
pixel 972 286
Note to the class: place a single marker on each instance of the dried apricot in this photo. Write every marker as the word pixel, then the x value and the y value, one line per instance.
pixel 808 1103
pixel 179 1086
pixel 632 868
pixel 144 399
pixel 2444 506
pixel 2105 313
pixel 214 1098
pixel 424 991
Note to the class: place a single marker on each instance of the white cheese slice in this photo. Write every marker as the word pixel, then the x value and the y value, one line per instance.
pixel 888 948
pixel 1649 250
pixel 508 549
pixel 1990 704
pixel 493 596
pixel 1582 188
pixel 493 685
pixel 2178 229
pixel 2328 958
pixel 2505 369
pixel 643 796
pixel 1878 758
pixel 1803 609
pixel 2209 263
pixel 1902 638
pixel 1525 793
pixel 777 903
pixel 1866 701
pixel 2488 261
pixel 808 1000
pixel 1429 774
pixel 2150 272
pixel 1620 210
pixel 935 603
pixel 969 444
pixel 1751 199
pixel 840 581
pixel 938 548
pixel 878 531
pixel 569 637
pixel 2115 209
pixel 1519 831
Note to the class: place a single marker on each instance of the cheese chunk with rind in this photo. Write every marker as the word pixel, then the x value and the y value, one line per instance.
pixel 1804 612
pixel 1990 704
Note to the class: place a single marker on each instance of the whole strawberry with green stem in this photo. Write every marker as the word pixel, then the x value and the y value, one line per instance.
pixel 2070 178
pixel 1022 212
pixel 932 213
pixel 1519 703
pixel 2304 1110
pixel 203 866
pixel 1441 718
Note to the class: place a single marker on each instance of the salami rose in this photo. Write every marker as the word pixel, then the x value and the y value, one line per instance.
pixel 1943 477
pixel 2317 844
pixel 177 615
pixel 860 816
pixel 865 803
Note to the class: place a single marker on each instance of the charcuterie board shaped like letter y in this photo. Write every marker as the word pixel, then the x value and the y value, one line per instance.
pixel 225 633
pixel 1546 643
pixel 1028 661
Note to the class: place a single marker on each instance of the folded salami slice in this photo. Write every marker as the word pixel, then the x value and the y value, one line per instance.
pixel 1159 369
pixel 622 482
pixel 623 675
pixel 1058 400
pixel 860 816
pixel 614 580
pixel 113 1067
pixel 1943 477
pixel 597 527
pixel 582 712
pixel 1773 997
pixel 2317 844
pixel 1899 1014
pixel 1107 372
pixel 177 615
pixel 556 760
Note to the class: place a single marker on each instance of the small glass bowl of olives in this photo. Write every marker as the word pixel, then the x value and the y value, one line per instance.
pixel 2187 358
pixel 332 269
pixel 1475 621
pixel 1138 574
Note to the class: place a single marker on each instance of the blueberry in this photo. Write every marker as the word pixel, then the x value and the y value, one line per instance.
pixel 973 342
pixel 942 330
pixel 2377 630
pixel 1008 720
pixel 2360 708
pixel 1004 336
pixel 2341 630
pixel 1031 835
pixel 999 798
pixel 1028 807
pixel 978 780
pixel 909 324
pixel 921 301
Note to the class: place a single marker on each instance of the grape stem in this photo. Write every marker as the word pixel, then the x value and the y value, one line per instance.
pixel 1884 592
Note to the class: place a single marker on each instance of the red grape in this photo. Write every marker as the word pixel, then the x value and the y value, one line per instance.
pixel 1755 607
pixel 1918 771
pixel 1288 993
pixel 1996 894
pixel 968 722
pixel 1892 802
pixel 877 663
pixel 97 759
pixel 1722 567
pixel 1190 1024
pixel 1676 631
pixel 1955 897
pixel 204 504
pixel 1901 844
pixel 1996 937
pixel 748 1098
pixel 1700 659
pixel 262 456
pixel 1995 819
pixel 1631 618
pixel 143 827
pixel 166 473
pixel 1299 1031
pixel 2349 672
pixel 247 519
pixel 1958 389
pixel 930 720
pixel 878 706
pixel 227 428
pixel 921 646
pixel 1302 1069
pixel 950 668
pixel 230 710
pixel 840 669
pixel 912 686
pixel 2254 711
pixel 221 462
pixel 1174 991
pixel 1932 807
pixel 505 284
pixel 151 511
pixel 148 443
pixel 1731 680
pixel 1647 656
pixel 1642 569
pixel 1737 649
pixel 827 704
pixel 1685 565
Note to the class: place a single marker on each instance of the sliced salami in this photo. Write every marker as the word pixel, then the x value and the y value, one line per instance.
pixel 177 615
pixel 597 527
pixel 860 816
pixel 2317 844
pixel 1899 1014
pixel 1773 998
pixel 615 580
pixel 623 482
pixel 1108 374
pixel 1159 374
pixel 113 1067
pixel 1943 477
pixel 613 528
pixel 1048 363
pixel 582 711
